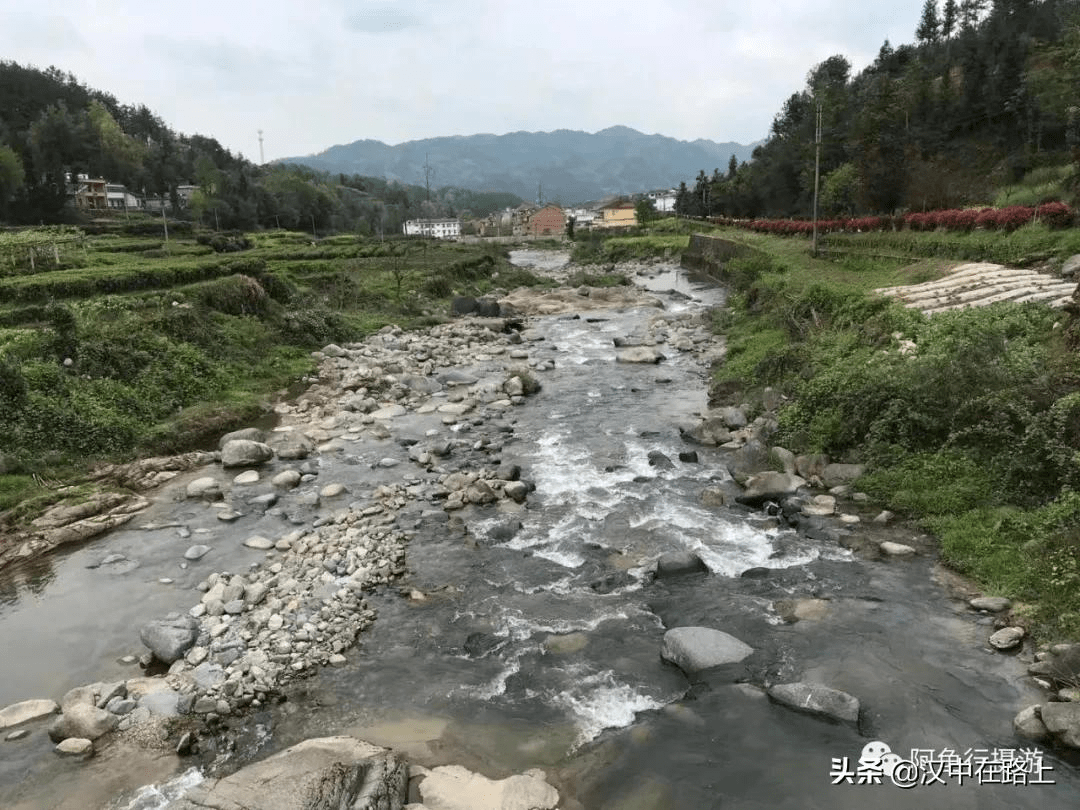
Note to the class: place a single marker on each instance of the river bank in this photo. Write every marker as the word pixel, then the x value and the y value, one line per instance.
pixel 524 633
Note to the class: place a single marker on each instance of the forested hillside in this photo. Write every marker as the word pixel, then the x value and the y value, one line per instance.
pixel 988 94
pixel 52 125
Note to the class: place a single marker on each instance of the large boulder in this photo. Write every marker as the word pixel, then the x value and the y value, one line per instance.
pixel 835 475
pixel 1063 721
pixel 452 787
pixel 709 432
pixel 693 649
pixel 245 453
pixel 769 486
pixel 752 457
pixel 247 434
pixel 169 638
pixel 1071 268
pixel 319 774
pixel 86 722
pixel 678 563
pixel 813 698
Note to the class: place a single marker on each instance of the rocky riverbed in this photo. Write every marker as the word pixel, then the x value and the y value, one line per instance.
pixel 490 536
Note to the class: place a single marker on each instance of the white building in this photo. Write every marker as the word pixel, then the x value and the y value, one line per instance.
pixel 664 200
pixel 118 196
pixel 583 217
pixel 435 228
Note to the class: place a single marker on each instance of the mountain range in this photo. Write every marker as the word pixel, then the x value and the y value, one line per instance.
pixel 564 166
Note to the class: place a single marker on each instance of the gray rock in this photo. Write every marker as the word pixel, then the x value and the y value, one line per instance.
pixel 479 492
pixel 1029 724
pixel 82 721
pixel 163 702
pixel 516 491
pixel 733 417
pixel 452 787
pixel 1071 268
pixel 17 735
pixel 1007 637
pixel 286 479
pixel 992 604
pixel 196 552
pixel 169 639
pixel 816 699
pixel 246 434
pixel 811 465
pixel 257 541
pixel 76 747
pixel 896 549
pixel 27 710
pixel 786 459
pixel 835 475
pixel 752 457
pixel 678 563
pixel 692 649
pixel 709 432
pixel 769 486
pixel 1063 721
pixel 330 772
pixel 638 354
pixel 245 453
pixel 205 487
pixel 660 461
pixel 120 706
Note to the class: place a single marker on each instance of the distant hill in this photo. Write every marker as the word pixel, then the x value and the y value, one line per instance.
pixel 572 166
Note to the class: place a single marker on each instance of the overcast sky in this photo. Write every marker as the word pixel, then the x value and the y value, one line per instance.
pixel 315 73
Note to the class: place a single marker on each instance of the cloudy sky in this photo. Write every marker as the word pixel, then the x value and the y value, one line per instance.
pixel 314 73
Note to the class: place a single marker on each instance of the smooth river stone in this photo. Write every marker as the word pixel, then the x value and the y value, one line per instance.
pixel 257 541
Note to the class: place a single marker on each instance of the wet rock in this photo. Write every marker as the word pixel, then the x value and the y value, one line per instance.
pixel 751 458
pixel 756 573
pixel 688 456
pixel 709 432
pixel 896 549
pixel 477 645
pixel 17 735
pixel 991 604
pixel 293 446
pixel 769 486
pixel 75 747
pixel 187 744
pixel 660 461
pixel 81 720
pixel 25 711
pixel 884 516
pixel 245 434
pixel 786 459
pixel 257 541
pixel 79 696
pixel 693 649
pixel 1062 720
pixel 679 563
pixel 169 639
pixel 638 354
pixel 1007 637
pixel 332 490
pixel 452 787
pixel 318 773
pixel 612 581
pixel 813 698
pixel 205 487
pixel 479 492
pixel 1070 269
pixel 245 453
pixel 793 610
pixel 1029 725
pixel 196 552
pixel 246 478
pixel 820 505
pixel 517 491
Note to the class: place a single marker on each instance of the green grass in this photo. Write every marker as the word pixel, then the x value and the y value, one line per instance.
pixel 1044 184
pixel 976 434
pixel 170 349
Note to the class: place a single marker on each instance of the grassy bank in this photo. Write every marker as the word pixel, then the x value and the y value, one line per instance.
pixel 969 420
pixel 663 237
pixel 123 346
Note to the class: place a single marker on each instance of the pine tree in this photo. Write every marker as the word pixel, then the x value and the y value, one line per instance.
pixel 929 30
pixel 949 16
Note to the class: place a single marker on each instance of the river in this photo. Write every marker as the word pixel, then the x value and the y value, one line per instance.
pixel 536 642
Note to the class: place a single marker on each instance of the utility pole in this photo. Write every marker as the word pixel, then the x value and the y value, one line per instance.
pixel 817 168
pixel 540 194
pixel 165 224
pixel 262 159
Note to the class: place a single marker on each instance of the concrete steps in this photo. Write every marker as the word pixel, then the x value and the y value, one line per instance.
pixel 980 284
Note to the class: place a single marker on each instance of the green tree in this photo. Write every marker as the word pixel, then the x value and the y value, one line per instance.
pixel 929 30
pixel 12 177
pixel 840 190
pixel 732 167
pixel 645 211
pixel 950 13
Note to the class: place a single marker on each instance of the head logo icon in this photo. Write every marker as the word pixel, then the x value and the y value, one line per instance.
pixel 873 752
pixel 889 763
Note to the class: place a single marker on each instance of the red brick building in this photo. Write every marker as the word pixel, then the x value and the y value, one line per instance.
pixel 548 221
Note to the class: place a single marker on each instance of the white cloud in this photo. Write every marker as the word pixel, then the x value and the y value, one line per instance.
pixel 323 72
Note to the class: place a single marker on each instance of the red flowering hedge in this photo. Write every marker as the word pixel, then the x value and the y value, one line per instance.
pixel 1054 214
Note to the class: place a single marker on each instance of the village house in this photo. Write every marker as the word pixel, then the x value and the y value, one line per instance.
pixel 617 214
pixel 548 221
pixel 520 218
pixel 118 197
pixel 434 228
pixel 88 194
pixel 663 200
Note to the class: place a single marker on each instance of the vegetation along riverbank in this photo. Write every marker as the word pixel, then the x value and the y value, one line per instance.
pixel 116 344
pixel 968 420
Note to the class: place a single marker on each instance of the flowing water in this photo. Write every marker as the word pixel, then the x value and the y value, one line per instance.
pixel 537 643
